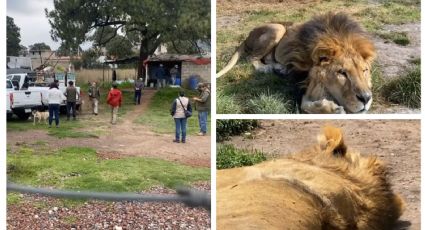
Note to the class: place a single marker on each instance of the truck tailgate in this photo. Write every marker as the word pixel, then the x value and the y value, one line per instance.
pixel 25 99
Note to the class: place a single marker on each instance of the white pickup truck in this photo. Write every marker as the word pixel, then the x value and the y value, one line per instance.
pixel 21 103
pixel 22 81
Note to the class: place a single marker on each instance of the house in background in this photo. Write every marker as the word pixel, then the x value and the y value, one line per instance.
pixel 190 66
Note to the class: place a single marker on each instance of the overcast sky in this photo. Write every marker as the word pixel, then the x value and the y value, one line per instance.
pixel 30 17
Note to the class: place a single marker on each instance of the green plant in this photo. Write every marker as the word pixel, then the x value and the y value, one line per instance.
pixel 406 89
pixel 230 157
pixel 227 128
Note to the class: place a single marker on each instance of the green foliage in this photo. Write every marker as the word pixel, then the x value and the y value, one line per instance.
pixel 39 46
pixel 119 47
pixel 148 23
pixel 230 157
pixel 269 104
pixel 13 37
pixel 227 104
pixel 406 89
pixel 158 117
pixel 79 168
pixel 227 128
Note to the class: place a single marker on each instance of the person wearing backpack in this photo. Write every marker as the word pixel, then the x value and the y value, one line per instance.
pixel 181 110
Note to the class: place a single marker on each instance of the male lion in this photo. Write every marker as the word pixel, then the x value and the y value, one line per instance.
pixel 333 52
pixel 323 188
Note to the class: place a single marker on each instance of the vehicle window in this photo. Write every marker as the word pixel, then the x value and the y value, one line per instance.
pixel 9 85
pixel 16 78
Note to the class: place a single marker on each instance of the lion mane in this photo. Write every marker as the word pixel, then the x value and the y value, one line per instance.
pixel 325 187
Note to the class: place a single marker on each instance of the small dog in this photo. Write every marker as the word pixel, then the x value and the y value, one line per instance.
pixel 40 116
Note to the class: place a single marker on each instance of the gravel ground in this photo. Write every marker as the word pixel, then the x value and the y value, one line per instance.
pixel 36 212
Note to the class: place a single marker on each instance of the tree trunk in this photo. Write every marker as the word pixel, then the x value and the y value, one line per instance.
pixel 143 55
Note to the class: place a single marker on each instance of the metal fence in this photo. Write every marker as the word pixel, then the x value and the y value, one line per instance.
pixel 190 197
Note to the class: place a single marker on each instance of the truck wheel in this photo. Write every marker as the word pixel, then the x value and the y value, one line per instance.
pixel 9 116
pixel 22 115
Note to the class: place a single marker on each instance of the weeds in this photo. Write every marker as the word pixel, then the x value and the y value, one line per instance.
pixel 230 157
pixel 227 128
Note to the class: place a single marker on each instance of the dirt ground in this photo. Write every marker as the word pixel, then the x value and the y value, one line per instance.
pixel 125 139
pixel 396 142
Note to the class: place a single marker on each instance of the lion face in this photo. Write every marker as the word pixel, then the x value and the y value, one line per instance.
pixel 343 71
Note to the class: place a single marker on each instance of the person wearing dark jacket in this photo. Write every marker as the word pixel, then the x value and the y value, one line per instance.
pixel 71 100
pixel 138 86
pixel 178 108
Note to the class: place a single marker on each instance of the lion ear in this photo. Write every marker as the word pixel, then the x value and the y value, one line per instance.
pixel 365 48
pixel 331 141
pixel 322 55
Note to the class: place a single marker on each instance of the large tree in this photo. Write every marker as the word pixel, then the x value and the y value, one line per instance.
pixel 39 47
pixel 13 38
pixel 146 23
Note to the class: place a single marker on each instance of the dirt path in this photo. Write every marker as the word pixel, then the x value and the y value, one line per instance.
pixel 395 142
pixel 126 138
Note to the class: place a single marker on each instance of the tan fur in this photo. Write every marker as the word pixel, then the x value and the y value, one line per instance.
pixel 325 187
pixel 323 47
pixel 40 116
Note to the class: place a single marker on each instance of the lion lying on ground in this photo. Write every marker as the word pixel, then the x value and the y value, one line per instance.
pixel 330 54
pixel 326 187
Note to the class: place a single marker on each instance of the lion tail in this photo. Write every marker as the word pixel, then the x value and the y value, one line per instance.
pixel 235 58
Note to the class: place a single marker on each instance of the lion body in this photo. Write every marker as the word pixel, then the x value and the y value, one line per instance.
pixel 325 48
pixel 325 187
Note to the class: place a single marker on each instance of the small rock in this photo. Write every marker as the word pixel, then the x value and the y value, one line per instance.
pixel 55 209
pixel 50 212
pixel 36 216
pixel 117 227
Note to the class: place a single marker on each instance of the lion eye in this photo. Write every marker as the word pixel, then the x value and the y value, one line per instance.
pixel 343 72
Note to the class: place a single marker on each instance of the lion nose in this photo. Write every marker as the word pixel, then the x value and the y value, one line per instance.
pixel 364 97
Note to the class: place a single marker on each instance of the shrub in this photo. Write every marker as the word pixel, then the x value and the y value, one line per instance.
pixel 227 128
pixel 230 157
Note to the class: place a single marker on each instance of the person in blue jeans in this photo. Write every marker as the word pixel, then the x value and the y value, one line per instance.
pixel 178 108
pixel 55 98
pixel 203 103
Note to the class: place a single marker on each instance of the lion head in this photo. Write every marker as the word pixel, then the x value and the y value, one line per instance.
pixel 337 54
pixel 341 72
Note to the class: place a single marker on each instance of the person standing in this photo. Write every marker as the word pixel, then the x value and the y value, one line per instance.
pixel 71 100
pixel 94 94
pixel 178 108
pixel 203 103
pixel 114 100
pixel 55 98
pixel 174 72
pixel 160 76
pixel 138 86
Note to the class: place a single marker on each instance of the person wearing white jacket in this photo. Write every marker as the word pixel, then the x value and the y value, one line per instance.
pixel 55 98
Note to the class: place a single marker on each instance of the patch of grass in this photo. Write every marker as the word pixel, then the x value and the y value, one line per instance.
pixel 252 92
pixel 158 117
pixel 267 103
pixel 399 38
pixel 373 18
pixel 230 157
pixel 227 128
pixel 227 104
pixel 406 89
pixel 79 168
pixel 70 219
pixel 13 198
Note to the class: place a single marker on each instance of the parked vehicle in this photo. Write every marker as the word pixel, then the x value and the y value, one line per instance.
pixel 21 102
pixel 25 81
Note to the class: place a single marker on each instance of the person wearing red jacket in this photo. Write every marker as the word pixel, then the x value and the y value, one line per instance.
pixel 114 100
